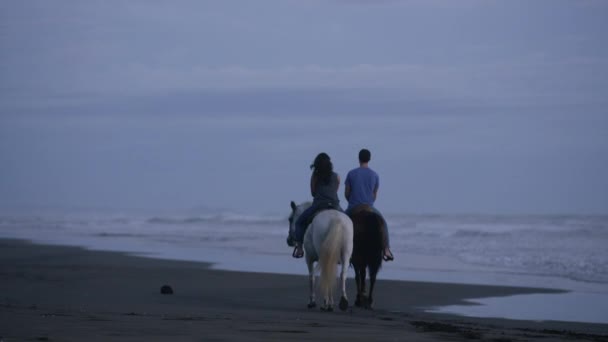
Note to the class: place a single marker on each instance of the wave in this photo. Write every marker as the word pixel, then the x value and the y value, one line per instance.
pixel 570 247
pixel 223 218
pixel 106 234
pixel 587 268
pixel 466 233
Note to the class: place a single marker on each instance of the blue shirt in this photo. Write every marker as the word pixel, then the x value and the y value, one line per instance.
pixel 363 182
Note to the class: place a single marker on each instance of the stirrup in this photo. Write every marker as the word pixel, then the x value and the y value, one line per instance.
pixel 297 253
pixel 388 257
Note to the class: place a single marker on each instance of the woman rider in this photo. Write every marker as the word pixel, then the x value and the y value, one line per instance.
pixel 324 184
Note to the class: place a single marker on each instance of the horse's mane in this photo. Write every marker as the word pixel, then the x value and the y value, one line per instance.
pixel 303 205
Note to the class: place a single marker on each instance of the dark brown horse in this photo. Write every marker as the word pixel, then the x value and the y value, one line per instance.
pixel 367 251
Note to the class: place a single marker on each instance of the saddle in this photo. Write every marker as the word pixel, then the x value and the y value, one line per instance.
pixel 361 208
pixel 359 221
pixel 324 206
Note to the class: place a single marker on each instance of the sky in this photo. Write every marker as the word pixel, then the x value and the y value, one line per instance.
pixel 468 107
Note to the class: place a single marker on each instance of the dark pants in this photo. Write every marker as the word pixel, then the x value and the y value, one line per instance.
pixel 386 241
pixel 307 216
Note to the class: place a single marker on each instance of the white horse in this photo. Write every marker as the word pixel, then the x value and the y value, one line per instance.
pixel 327 241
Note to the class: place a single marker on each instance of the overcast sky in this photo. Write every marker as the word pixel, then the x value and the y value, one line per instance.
pixel 472 106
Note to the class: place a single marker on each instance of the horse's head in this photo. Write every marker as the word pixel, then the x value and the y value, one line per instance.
pixel 296 211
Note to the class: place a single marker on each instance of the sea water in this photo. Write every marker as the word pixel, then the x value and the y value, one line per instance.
pixel 563 252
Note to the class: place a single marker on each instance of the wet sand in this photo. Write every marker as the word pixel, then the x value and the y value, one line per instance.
pixel 56 293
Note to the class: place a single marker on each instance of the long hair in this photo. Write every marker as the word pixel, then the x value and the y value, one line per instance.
pixel 323 168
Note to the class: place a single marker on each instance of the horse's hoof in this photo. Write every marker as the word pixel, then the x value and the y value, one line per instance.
pixel 327 308
pixel 369 305
pixel 360 301
pixel 312 305
pixel 343 304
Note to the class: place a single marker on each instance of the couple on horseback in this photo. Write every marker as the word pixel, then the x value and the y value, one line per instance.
pixel 361 188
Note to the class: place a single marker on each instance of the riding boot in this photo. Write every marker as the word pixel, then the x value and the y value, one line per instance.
pixel 388 255
pixel 298 251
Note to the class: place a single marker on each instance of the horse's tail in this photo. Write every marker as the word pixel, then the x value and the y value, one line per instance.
pixel 330 255
pixel 368 240
pixel 375 238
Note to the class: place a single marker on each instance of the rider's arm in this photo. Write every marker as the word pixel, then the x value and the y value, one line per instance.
pixel 375 193
pixel 338 182
pixel 346 190
pixel 313 183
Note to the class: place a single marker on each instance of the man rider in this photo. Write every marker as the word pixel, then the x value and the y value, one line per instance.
pixel 361 187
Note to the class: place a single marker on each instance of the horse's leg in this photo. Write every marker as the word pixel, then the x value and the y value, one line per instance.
pixel 363 275
pixel 343 298
pixel 311 283
pixel 328 301
pixel 330 296
pixel 372 281
pixel 358 282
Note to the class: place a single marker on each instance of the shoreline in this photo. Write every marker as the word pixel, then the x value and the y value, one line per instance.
pixel 70 293
pixel 279 261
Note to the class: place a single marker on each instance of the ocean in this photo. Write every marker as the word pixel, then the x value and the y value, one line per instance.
pixel 563 252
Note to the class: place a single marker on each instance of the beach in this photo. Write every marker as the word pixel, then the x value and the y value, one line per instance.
pixel 149 145
pixel 60 293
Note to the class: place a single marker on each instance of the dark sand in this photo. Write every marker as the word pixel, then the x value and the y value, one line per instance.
pixel 53 293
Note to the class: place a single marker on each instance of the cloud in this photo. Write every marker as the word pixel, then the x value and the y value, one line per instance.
pixel 136 48
pixel 536 78
pixel 446 4
pixel 368 2
pixel 485 84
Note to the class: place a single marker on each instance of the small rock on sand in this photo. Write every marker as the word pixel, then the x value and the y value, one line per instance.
pixel 166 289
